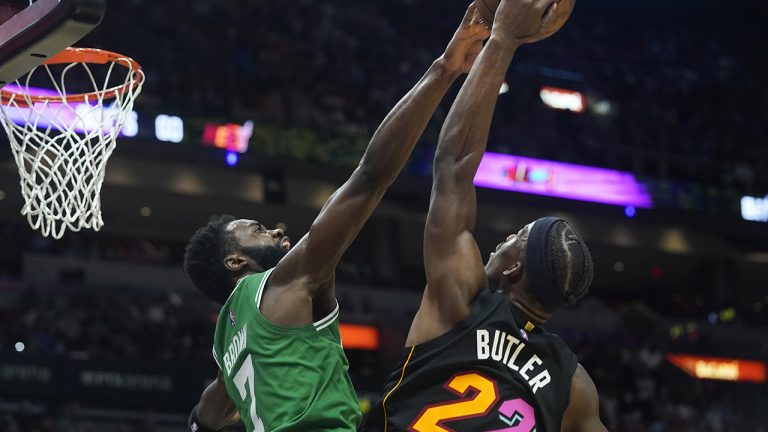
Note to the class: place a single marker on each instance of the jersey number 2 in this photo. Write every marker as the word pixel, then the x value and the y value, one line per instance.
pixel 516 413
pixel 486 395
pixel 243 378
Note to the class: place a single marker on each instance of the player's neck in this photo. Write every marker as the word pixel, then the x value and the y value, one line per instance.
pixel 538 316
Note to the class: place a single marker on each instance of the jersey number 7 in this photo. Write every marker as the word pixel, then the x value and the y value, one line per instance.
pixel 243 377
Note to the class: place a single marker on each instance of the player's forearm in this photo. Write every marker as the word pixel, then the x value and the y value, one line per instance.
pixel 465 132
pixel 398 134
pixel 215 410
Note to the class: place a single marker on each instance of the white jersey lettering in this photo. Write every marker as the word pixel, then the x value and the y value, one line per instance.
pixel 507 350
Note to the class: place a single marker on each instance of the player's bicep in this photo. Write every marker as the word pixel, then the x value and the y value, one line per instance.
pixel 583 412
pixel 452 259
pixel 452 205
pixel 454 279
pixel 314 258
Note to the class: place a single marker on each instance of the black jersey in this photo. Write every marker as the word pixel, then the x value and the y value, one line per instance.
pixel 494 372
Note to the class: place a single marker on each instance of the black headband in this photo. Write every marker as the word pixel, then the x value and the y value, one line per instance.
pixel 538 270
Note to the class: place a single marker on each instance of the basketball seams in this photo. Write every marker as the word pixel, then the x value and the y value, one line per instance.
pixel 486 11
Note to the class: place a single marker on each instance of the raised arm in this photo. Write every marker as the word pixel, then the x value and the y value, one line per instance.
pixel 453 264
pixel 312 262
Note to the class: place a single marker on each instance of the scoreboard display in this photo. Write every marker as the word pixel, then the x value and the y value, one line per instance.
pixel 170 128
pixel 139 124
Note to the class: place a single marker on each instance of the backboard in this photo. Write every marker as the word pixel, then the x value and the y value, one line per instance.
pixel 31 32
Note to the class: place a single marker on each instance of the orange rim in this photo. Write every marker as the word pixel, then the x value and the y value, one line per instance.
pixel 82 55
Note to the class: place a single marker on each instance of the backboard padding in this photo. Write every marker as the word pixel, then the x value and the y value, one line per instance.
pixel 30 35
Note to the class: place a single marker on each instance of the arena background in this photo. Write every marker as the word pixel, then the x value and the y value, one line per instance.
pixel 261 109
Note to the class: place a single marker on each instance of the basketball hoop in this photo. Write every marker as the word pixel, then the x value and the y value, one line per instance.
pixel 62 140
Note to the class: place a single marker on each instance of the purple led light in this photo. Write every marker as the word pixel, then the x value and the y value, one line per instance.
pixel 562 180
pixel 77 116
pixel 32 91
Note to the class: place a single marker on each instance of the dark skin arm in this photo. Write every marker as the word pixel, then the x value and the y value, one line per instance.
pixel 308 269
pixel 303 281
pixel 583 412
pixel 453 264
pixel 216 410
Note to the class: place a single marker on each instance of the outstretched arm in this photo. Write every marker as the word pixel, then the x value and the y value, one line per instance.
pixel 312 262
pixel 453 264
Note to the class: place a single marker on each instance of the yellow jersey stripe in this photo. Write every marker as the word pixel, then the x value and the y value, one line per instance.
pixel 402 375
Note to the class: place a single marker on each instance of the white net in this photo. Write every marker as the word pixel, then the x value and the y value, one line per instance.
pixel 62 147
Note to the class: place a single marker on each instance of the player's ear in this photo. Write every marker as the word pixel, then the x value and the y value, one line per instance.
pixel 235 262
pixel 514 273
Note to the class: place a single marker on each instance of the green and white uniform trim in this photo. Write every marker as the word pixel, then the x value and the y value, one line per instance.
pixel 319 325
pixel 283 378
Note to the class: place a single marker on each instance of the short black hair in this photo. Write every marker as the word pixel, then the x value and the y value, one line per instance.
pixel 204 259
pixel 570 262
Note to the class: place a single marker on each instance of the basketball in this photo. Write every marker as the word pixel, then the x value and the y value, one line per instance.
pixel 487 10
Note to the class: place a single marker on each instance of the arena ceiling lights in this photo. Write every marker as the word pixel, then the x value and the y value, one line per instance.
pixel 563 99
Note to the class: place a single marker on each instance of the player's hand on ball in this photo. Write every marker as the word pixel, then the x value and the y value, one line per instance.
pixel 467 42
pixel 522 21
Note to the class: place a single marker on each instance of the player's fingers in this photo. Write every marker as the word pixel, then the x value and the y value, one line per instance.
pixel 549 17
pixel 469 15
pixel 480 32
pixel 477 19
pixel 475 49
pixel 545 5
pixel 478 29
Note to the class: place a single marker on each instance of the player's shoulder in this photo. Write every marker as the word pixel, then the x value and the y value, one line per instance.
pixel 251 283
pixel 569 358
pixel 583 392
pixel 583 381
pixel 254 278
pixel 583 408
pixel 557 340
pixel 242 298
pixel 486 300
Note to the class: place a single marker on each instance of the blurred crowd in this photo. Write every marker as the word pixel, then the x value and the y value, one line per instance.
pixel 29 417
pixel 697 300
pixel 675 95
pixel 639 390
pixel 671 96
pixel 108 325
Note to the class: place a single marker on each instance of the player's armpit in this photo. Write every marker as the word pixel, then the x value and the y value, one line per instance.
pixel 583 412
pixel 216 410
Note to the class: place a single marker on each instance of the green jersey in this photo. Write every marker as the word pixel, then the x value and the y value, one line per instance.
pixel 283 379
